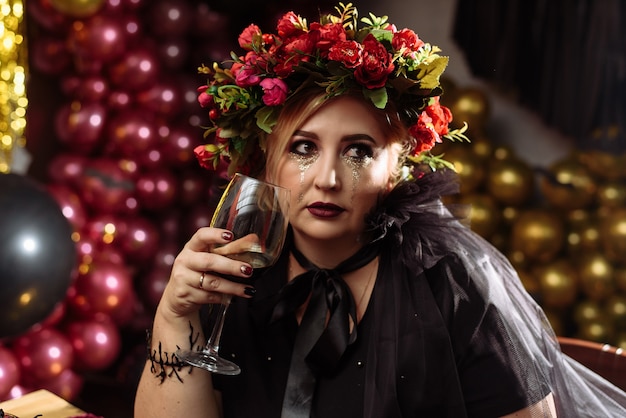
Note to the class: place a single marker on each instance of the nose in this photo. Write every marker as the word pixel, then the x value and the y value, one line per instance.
pixel 327 173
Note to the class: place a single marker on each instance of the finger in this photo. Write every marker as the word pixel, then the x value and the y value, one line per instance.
pixel 215 263
pixel 205 237
pixel 212 283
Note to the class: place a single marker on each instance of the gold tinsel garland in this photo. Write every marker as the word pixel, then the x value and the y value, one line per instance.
pixel 13 72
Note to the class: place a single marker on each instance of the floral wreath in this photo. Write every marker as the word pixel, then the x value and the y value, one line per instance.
pixel 385 63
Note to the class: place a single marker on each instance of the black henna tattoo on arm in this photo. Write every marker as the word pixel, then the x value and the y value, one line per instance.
pixel 164 364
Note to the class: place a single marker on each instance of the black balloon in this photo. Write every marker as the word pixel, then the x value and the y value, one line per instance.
pixel 37 254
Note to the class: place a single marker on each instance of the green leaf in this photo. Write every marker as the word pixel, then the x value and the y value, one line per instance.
pixel 377 96
pixel 266 118
pixel 429 74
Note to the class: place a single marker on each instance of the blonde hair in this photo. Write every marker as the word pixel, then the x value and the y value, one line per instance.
pixel 296 112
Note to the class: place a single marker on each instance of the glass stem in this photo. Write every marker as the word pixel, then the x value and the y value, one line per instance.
pixel 213 343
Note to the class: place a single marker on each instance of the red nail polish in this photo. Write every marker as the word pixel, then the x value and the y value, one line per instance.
pixel 227 235
pixel 247 270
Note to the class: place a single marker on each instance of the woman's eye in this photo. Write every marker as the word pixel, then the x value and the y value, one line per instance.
pixel 302 148
pixel 359 151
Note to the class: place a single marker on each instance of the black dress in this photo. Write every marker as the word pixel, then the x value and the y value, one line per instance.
pixel 449 332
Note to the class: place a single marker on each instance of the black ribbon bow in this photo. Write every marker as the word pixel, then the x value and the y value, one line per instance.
pixel 324 332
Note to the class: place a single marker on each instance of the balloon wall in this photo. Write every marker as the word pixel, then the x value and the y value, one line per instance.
pixel 112 122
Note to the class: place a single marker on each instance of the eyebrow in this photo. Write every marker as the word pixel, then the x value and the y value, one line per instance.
pixel 347 138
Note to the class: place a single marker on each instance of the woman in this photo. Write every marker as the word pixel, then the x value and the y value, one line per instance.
pixel 423 318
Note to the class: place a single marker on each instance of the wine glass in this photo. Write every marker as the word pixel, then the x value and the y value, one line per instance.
pixel 256 213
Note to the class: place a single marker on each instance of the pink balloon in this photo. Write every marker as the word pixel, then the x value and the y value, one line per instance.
pixel 91 250
pixel 93 88
pixel 104 289
pixel 50 56
pixel 120 100
pixel 105 186
pixel 195 187
pixel 96 343
pixel 169 223
pixel 99 38
pixel 121 6
pixel 70 203
pixel 173 53
pixel 140 239
pixel 43 354
pixel 68 385
pixel 54 318
pixel 170 18
pixel 66 168
pixel 151 286
pixel 132 133
pixel 197 216
pixel 157 190
pixel 162 98
pixel 178 146
pixel 17 391
pixel 42 13
pixel 9 372
pixel 79 126
pixel 136 70
pixel 101 232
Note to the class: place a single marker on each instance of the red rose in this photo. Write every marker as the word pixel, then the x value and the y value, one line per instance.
pixel 246 38
pixel 329 34
pixel 289 25
pixel 208 156
pixel 274 91
pixel 425 136
pixel 440 116
pixel 349 53
pixel 377 64
pixel 408 39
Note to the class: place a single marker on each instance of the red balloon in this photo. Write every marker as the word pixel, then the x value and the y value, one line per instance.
pixel 169 225
pixel 70 203
pixel 198 216
pixel 79 125
pixel 49 55
pixel 90 249
pixel 136 70
pixel 99 38
pixel 132 133
pixel 162 98
pixel 120 100
pixel 103 289
pixel 54 318
pixel 92 88
pixel 96 343
pixel 65 168
pixel 9 372
pixel 17 391
pixel 43 354
pixel 68 385
pixel 195 187
pixel 123 5
pixel 170 18
pixel 42 13
pixel 105 186
pixel 157 190
pixel 131 25
pixel 139 240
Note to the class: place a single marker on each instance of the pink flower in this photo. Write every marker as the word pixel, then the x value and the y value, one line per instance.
pixel 349 53
pixel 377 64
pixel 246 39
pixel 274 91
pixel 408 39
pixel 247 76
pixel 204 98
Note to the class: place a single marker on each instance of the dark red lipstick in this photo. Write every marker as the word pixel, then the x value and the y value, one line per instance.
pixel 324 210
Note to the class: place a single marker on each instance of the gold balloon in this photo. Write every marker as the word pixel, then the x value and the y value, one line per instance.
pixel 539 234
pixel 620 340
pixel 619 275
pixel 471 105
pixel 470 168
pixel 530 283
pixel 586 311
pixel 518 259
pixel 578 217
pixel 510 181
pixel 503 152
pixel 558 283
pixel 613 231
pixel 510 214
pixel 77 8
pixel 603 165
pixel 583 238
pixel 615 308
pixel 482 147
pixel 596 276
pixel 484 214
pixel 600 330
pixel 612 194
pixel 569 185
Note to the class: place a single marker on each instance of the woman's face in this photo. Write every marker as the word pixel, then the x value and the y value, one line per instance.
pixel 337 165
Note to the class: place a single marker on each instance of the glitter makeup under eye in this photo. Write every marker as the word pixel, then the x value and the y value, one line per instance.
pixel 356 166
pixel 304 162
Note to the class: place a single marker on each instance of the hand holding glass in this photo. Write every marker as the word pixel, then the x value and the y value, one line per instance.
pixel 256 213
